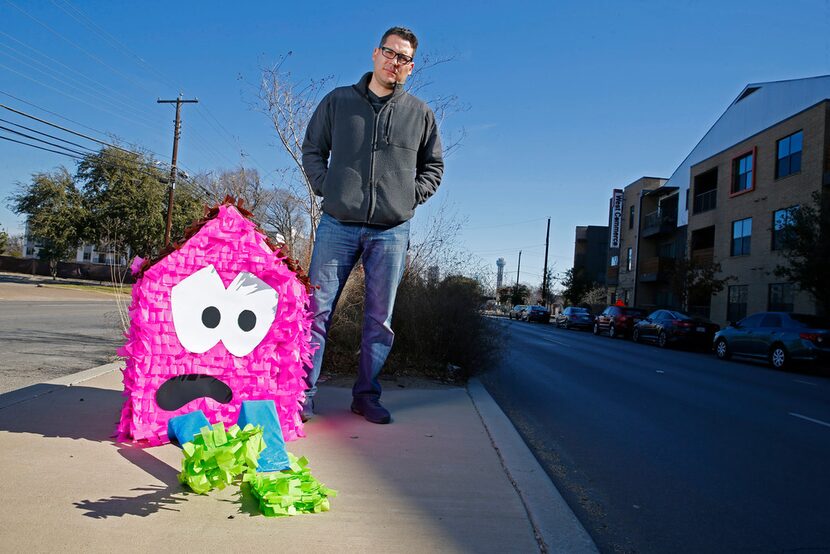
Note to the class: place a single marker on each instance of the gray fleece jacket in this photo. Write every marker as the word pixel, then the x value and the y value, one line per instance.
pixel 372 167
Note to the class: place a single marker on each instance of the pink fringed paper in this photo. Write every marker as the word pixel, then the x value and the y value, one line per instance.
pixel 274 370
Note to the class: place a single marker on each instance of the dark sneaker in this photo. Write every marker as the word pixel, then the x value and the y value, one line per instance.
pixel 307 409
pixel 371 409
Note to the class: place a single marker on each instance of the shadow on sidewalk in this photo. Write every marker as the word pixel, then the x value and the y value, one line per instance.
pixel 91 414
pixel 152 499
pixel 68 412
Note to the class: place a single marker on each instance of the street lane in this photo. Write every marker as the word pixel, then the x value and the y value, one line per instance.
pixel 43 340
pixel 671 451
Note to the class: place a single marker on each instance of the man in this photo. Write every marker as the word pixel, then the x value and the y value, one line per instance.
pixel 372 151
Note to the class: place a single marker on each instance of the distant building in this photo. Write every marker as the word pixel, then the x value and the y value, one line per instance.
pixel 590 252
pixel 624 214
pixel 86 253
pixel 433 274
pixel 500 263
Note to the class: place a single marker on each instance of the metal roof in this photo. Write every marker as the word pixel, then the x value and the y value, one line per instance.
pixel 758 107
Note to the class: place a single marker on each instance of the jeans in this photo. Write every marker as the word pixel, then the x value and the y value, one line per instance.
pixel 337 248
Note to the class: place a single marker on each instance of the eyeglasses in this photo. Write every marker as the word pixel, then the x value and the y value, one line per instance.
pixel 390 54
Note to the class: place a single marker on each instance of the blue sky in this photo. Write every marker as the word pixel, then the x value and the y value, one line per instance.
pixel 567 100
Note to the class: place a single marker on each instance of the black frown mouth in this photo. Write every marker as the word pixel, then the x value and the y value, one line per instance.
pixel 181 389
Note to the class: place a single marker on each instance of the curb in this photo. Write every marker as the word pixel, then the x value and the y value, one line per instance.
pixel 34 391
pixel 556 527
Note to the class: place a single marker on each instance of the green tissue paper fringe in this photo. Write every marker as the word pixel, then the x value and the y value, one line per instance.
pixel 217 456
pixel 291 491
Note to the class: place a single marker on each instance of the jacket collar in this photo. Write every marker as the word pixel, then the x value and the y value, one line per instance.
pixel 362 86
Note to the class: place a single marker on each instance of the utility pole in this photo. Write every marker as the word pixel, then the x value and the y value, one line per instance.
pixel 518 270
pixel 545 272
pixel 177 131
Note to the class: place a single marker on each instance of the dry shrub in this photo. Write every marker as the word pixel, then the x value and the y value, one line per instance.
pixel 439 330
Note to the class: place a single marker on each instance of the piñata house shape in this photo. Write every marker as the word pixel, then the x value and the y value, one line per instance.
pixel 220 319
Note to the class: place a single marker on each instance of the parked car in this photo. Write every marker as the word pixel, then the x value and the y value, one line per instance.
pixel 778 337
pixel 536 313
pixel 618 321
pixel 516 312
pixel 665 327
pixel 575 317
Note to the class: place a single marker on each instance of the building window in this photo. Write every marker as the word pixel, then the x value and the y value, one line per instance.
pixel 741 237
pixel 789 155
pixel 781 297
pixel 705 191
pixel 615 261
pixel 782 221
pixel 628 259
pixel 736 303
pixel 742 173
pixel 631 217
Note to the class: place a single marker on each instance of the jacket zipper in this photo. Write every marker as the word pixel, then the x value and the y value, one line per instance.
pixel 389 123
pixel 372 186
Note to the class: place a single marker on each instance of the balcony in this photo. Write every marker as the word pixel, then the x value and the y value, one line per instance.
pixel 705 201
pixel 655 269
pixel 612 276
pixel 659 222
pixel 703 256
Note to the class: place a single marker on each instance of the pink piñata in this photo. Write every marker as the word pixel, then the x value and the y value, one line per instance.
pixel 219 320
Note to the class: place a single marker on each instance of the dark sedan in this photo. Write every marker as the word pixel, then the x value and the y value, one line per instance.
pixel 778 337
pixel 618 321
pixel 574 317
pixel 664 327
pixel 536 313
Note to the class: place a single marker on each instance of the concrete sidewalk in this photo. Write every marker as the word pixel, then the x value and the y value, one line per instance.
pixel 450 474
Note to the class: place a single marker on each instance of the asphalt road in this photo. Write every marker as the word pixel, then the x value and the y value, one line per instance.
pixel 45 339
pixel 672 451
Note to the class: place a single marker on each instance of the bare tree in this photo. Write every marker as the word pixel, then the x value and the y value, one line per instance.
pixel 285 216
pixel 290 106
pixel 241 182
pixel 15 246
pixel 442 105
pixel 435 242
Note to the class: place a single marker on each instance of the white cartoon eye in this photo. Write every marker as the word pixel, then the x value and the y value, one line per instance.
pixel 249 310
pixel 197 310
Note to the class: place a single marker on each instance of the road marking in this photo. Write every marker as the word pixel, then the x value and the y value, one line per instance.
pixel 555 341
pixel 660 371
pixel 805 382
pixel 810 419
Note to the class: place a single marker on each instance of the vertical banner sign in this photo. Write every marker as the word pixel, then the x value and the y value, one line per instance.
pixel 616 217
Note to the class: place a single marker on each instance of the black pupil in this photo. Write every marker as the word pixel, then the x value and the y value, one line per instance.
pixel 211 317
pixel 247 320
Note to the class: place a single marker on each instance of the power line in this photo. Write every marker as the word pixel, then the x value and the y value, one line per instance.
pixel 124 101
pixel 35 146
pixel 93 56
pixel 30 137
pixel 45 134
pixel 504 224
pixel 55 125
pixel 41 108
pixel 100 31
pixel 52 113
pixel 59 91
pixel 89 23
pixel 106 163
